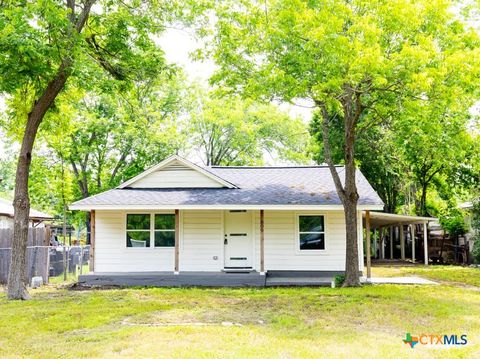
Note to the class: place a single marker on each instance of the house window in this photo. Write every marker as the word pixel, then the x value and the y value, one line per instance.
pixel 138 230
pixel 311 231
pixel 164 230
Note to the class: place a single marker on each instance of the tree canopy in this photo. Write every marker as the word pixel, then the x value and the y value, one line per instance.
pixel 48 46
pixel 391 85
pixel 360 64
pixel 232 131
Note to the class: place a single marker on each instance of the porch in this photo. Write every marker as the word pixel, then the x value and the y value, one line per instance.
pixel 210 279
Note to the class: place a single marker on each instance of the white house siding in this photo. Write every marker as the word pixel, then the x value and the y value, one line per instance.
pixel 112 254
pixel 201 244
pixel 176 176
pixel 281 243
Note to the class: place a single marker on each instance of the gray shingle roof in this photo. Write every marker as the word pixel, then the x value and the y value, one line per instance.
pixel 6 208
pixel 257 186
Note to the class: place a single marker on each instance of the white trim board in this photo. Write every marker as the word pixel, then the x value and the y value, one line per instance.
pixel 153 207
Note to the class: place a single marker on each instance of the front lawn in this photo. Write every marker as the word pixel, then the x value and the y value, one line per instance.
pixel 365 322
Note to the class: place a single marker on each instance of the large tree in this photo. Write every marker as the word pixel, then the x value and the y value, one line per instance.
pixel 234 131
pixel 433 139
pixel 48 45
pixel 356 61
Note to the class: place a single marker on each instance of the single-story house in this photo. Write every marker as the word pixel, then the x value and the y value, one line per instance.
pixel 178 223
pixel 6 215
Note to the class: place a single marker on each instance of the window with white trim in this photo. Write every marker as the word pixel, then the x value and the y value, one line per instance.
pixel 311 232
pixel 150 230
pixel 164 230
pixel 138 230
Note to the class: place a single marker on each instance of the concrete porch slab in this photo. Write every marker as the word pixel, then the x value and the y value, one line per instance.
pixel 210 279
pixel 170 279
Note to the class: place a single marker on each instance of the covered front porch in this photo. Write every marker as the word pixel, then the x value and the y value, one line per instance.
pixel 229 247
pixel 393 239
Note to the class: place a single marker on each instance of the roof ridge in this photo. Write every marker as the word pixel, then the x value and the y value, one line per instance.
pixel 273 167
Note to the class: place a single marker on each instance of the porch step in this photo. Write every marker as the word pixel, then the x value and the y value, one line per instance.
pixel 238 270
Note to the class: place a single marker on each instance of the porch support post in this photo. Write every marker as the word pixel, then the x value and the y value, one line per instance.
pixel 425 243
pixel 412 229
pixel 177 241
pixel 92 241
pixel 262 241
pixel 374 243
pixel 402 242
pixel 368 250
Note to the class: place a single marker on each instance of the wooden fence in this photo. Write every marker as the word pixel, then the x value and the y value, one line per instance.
pixel 37 253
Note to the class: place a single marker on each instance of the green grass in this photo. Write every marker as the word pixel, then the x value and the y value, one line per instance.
pixel 456 274
pixel 365 322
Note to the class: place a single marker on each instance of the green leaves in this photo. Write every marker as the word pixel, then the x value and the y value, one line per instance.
pixel 232 131
pixel 405 73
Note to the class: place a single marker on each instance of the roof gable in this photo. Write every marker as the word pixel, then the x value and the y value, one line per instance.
pixel 177 172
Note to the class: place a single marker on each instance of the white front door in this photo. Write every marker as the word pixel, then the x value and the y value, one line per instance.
pixel 238 241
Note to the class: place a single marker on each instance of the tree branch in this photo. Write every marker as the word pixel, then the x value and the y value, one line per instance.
pixel 327 151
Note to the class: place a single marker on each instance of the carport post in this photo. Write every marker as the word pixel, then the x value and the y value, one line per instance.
pixel 412 229
pixel 369 252
pixel 402 242
pixel 380 242
pixel 425 243
pixel 391 242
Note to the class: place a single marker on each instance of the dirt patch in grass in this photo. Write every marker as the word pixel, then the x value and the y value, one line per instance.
pixel 200 316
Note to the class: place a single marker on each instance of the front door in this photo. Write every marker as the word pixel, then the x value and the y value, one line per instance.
pixel 238 241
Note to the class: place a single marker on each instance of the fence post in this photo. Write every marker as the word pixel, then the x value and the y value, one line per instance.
pixel 81 260
pixel 64 262
pixel 34 271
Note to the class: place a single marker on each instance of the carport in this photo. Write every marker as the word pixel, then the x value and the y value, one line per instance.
pixel 384 230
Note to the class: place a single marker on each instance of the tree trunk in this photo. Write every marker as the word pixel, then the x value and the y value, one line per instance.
pixel 347 192
pixel 350 199
pixel 422 211
pixel 21 202
pixel 352 273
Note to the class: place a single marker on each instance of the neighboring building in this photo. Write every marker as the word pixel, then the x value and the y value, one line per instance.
pixel 469 237
pixel 6 215
pixel 181 224
pixel 37 240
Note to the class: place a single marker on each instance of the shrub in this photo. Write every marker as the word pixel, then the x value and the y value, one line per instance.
pixel 339 279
